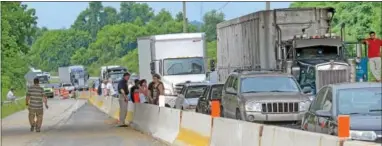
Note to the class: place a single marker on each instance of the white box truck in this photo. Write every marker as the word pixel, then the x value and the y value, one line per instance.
pixel 178 58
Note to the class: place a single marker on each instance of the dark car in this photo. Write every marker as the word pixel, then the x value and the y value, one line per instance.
pixel 213 92
pixel 361 101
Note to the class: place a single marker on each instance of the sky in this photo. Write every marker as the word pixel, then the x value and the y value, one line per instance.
pixel 57 15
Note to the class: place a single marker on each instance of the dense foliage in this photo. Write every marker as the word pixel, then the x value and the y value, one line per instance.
pixel 105 36
pixel 18 28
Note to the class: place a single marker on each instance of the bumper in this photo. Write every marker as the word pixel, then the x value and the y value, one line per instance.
pixel 49 94
pixel 258 116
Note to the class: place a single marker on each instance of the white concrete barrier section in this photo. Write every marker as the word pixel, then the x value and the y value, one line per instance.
pixel 229 132
pixel 168 124
pixel 195 129
pixel 130 112
pixel 146 118
pixel 114 111
pixel 280 136
pixel 359 143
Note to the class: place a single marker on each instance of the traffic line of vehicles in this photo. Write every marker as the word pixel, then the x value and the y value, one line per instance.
pixel 272 64
pixel 75 75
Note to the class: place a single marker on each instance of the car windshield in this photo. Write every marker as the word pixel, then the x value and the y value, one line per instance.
pixel 216 92
pixel 360 100
pixel 182 66
pixel 67 85
pixel 268 84
pixel 195 91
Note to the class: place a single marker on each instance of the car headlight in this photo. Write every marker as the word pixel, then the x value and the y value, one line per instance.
pixel 255 107
pixel 303 106
pixel 363 135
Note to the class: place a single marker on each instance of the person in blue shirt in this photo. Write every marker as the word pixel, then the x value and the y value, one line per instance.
pixel 123 92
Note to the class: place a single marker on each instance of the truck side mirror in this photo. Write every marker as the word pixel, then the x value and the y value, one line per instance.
pixel 212 65
pixel 152 67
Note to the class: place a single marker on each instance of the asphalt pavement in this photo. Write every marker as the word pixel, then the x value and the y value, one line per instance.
pixel 72 123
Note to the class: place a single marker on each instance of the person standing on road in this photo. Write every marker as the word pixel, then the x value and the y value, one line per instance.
pixel 156 88
pixel 35 100
pixel 11 96
pixel 374 55
pixel 123 99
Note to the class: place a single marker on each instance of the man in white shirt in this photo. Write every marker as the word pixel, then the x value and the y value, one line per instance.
pixel 11 96
pixel 110 89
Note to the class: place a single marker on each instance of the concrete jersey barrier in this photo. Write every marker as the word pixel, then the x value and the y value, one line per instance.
pixel 188 128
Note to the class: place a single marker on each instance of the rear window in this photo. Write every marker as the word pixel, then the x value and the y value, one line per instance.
pixel 216 92
pixel 195 91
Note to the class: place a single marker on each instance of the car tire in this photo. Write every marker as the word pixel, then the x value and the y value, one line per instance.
pixel 166 105
pixel 196 110
pixel 238 115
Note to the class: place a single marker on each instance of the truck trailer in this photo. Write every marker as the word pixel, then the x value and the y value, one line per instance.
pixel 76 75
pixel 177 58
pixel 294 40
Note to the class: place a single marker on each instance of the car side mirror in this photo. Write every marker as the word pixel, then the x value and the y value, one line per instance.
pixel 307 90
pixel 230 91
pixel 323 113
pixel 212 65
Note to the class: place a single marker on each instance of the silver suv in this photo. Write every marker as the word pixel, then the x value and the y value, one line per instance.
pixel 261 96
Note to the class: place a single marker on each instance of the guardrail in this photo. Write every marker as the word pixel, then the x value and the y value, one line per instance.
pixel 177 127
pixel 9 101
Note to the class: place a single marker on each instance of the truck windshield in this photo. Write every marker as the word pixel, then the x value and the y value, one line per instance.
pixel 317 52
pixel 268 84
pixel 115 77
pixel 182 66
pixel 43 79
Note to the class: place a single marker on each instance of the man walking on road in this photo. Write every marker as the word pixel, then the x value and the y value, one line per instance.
pixel 35 100
pixel 374 55
pixel 123 98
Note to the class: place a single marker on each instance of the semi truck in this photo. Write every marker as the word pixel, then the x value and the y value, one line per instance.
pixel 76 75
pixel 298 41
pixel 177 58
pixel 113 72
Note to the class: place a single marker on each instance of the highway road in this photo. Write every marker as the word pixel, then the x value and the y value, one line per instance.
pixel 71 122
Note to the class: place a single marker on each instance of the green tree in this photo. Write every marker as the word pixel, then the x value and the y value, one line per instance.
pixel 129 11
pixel 17 24
pixel 56 47
pixel 211 19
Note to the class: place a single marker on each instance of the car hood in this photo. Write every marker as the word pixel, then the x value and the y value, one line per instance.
pixel 276 97
pixel 357 122
pixel 192 101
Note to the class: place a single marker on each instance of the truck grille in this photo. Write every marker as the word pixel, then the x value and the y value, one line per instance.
pixel 325 77
pixel 280 107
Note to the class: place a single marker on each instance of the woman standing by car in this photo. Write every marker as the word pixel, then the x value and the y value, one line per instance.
pixel 156 88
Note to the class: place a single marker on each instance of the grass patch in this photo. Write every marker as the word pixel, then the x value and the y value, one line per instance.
pixel 10 108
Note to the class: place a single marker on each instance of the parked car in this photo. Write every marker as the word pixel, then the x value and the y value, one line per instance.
pixel 68 86
pixel 213 92
pixel 362 101
pixel 47 74
pixel 263 96
pixel 188 97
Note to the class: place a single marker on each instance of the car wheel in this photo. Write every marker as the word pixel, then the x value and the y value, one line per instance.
pixel 238 115
pixel 196 110
pixel 167 105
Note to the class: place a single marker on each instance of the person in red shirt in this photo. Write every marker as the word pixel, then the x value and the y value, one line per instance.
pixel 374 55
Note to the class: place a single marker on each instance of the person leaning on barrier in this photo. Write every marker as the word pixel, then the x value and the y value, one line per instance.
pixel 110 90
pixel 143 91
pixel 374 55
pixel 133 89
pixel 35 99
pixel 156 88
pixel 123 98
